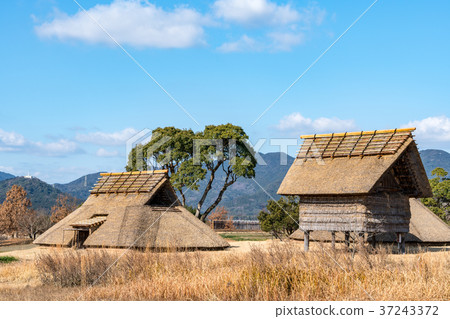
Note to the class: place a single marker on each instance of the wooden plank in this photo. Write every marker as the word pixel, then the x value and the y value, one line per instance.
pixel 348 144
pixel 160 171
pixel 400 131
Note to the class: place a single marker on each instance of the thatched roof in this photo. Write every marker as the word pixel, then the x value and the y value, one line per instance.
pixel 355 163
pixel 90 223
pixel 425 227
pixel 138 210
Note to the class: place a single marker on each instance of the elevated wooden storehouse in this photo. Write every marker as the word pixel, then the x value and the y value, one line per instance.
pixel 425 228
pixel 357 182
pixel 132 209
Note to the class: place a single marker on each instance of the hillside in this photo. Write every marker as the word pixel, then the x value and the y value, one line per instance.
pixel 246 198
pixel 80 187
pixel 435 158
pixel 42 195
pixel 4 176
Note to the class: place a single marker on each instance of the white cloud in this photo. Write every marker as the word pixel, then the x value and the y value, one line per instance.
pixel 7 169
pixel 255 12
pixel 435 128
pixel 111 139
pixel 278 41
pixel 245 43
pixel 312 15
pixel 101 152
pixel 284 41
pixel 59 148
pixel 11 139
pixel 289 26
pixel 297 123
pixel 137 23
pixel 14 142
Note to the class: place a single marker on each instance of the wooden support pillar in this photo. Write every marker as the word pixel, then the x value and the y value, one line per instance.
pixel 306 240
pixel 333 240
pixel 401 243
pixel 373 241
pixel 347 239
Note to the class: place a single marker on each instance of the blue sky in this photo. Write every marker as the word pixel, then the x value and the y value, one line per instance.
pixel 70 97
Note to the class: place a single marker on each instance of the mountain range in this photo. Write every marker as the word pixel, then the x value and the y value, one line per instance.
pixel 435 158
pixel 4 176
pixel 244 199
pixel 42 195
pixel 80 187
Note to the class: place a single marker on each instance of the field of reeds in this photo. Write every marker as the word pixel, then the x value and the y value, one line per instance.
pixel 279 271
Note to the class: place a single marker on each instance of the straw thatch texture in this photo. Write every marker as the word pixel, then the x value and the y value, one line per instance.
pixel 90 223
pixel 381 212
pixel 424 227
pixel 147 216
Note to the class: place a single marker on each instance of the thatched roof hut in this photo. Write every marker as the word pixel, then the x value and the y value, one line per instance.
pixel 132 209
pixel 425 228
pixel 357 182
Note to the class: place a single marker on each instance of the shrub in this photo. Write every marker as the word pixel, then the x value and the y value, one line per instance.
pixel 7 259
pixel 74 268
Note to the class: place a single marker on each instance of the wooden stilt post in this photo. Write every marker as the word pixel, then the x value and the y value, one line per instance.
pixel 373 241
pixel 399 238
pixel 333 240
pixel 347 239
pixel 306 240
pixel 401 243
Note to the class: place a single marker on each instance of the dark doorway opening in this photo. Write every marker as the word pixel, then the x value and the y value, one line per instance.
pixel 80 237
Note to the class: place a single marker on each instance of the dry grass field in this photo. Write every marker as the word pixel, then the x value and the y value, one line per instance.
pixel 258 270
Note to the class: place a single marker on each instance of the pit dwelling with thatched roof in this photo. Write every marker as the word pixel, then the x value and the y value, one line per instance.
pixel 358 182
pixel 132 210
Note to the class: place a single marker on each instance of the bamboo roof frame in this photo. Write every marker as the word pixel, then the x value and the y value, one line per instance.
pixel 364 143
pixel 128 182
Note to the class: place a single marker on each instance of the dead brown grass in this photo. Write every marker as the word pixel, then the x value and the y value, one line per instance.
pixel 281 271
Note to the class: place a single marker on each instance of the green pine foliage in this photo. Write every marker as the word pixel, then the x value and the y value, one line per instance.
pixel 192 158
pixel 280 217
pixel 440 202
